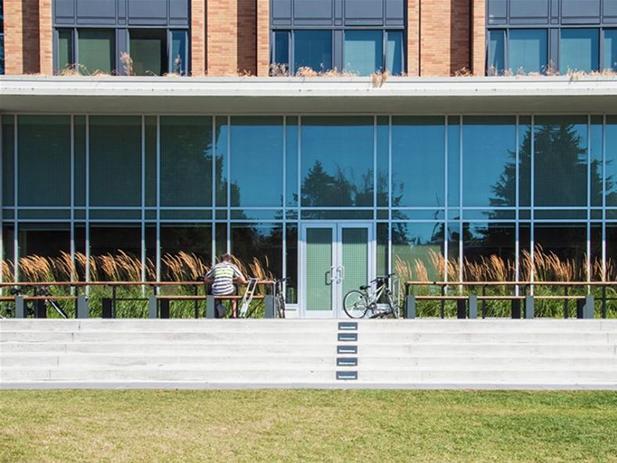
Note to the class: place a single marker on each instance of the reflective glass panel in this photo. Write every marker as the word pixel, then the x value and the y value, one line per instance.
pixel 195 241
pixel 313 50
pixel 96 51
pixel 281 49
pixel 148 51
pixel 579 50
pixel 186 161
pixel 115 161
pixel 496 52
pixel 113 240
pixel 610 49
pixel 454 161
pixel 560 161
pixel 257 148
pixel 417 250
pixel 595 148
pixel 65 49
pixel 337 161
pixel 221 160
pixel 528 50
pixel 7 160
pixel 524 153
pixel 44 160
pixel 611 252
pixel 567 242
pixel 611 161
pixel 179 52
pixel 261 242
pixel 489 251
pixel 418 157
pixel 291 176
pixel 363 52
pixel 395 49
pixel 489 161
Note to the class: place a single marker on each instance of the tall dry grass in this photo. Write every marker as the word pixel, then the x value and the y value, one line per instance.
pixel 121 267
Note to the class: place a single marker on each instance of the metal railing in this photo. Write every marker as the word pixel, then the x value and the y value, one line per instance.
pixel 36 298
pixel 472 297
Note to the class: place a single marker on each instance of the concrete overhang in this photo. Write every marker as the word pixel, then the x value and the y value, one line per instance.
pixel 209 95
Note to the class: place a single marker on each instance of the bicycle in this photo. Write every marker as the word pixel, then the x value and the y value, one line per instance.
pixel 360 303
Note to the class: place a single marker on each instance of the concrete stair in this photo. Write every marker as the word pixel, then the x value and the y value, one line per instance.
pixel 494 353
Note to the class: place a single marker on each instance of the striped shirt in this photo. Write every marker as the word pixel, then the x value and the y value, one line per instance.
pixel 223 275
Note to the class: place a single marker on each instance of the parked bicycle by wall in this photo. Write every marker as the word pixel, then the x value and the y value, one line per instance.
pixel 378 303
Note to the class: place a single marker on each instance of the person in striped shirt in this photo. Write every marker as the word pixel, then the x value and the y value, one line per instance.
pixel 222 277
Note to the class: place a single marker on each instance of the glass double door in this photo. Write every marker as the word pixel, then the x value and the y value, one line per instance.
pixel 335 258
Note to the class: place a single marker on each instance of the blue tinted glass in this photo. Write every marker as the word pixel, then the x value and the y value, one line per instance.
pixel 496 52
pixel 178 52
pixel 292 162
pixel 256 161
pixel 418 155
pixel 454 161
pixel 416 249
pixel 579 50
pixel 560 161
pixel 394 52
pixel 363 52
pixel 313 49
pixel 281 48
pixel 489 161
pixel 528 50
pixel 220 155
pixel 611 161
pixel 337 161
pixel 610 49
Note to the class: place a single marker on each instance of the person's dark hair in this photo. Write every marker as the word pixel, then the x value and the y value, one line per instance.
pixel 226 257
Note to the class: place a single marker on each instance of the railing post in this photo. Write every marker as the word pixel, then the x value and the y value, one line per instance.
pixel 107 305
pixel 585 307
pixel 410 306
pixel 164 304
pixel 269 306
pixel 20 307
pixel 210 306
pixel 152 307
pixel 604 311
pixel 529 307
pixel 516 309
pixel 82 306
pixel 473 306
pixel 461 309
pixel 40 309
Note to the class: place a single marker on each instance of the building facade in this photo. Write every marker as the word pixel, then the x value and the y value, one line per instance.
pixel 332 140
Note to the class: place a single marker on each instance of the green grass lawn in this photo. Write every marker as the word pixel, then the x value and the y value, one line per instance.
pixel 380 426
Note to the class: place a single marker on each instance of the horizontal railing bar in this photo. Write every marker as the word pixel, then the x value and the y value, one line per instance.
pixel 112 283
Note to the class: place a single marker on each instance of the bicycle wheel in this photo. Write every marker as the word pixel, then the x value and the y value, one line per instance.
pixel 355 304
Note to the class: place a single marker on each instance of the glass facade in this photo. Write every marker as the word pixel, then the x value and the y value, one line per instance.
pixel 465 188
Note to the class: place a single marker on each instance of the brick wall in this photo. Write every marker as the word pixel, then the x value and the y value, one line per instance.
pixel 247 36
pixel 460 36
pixel 479 37
pixel 222 37
pixel 198 37
pixel 21 36
pixel 263 37
pixel 435 47
pixel 46 58
pixel 413 38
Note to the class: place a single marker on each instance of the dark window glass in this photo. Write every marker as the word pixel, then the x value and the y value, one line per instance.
pixel 179 53
pixel 65 49
pixel 595 148
pixel 611 252
pixel 115 161
pixel 186 161
pixel 186 251
pixel 610 49
pixel 454 161
pixel 395 50
pixel 96 51
pixel 44 148
pixel 524 154
pixel 281 50
pixel 44 240
pixel 560 166
pixel 489 167
pixel 291 175
pixel 417 250
pixel 221 161
pixel 363 52
pixel 337 161
pixel 313 50
pixel 485 244
pixel 251 242
pixel 257 145
pixel 579 50
pixel 8 249
pixel 566 242
pixel 496 52
pixel 292 264
pixel 611 161
pixel 148 51
pixel 528 50
pixel 418 156
pixel 383 150
pixel 114 240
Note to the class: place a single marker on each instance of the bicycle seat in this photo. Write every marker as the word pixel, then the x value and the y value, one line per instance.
pixel 364 287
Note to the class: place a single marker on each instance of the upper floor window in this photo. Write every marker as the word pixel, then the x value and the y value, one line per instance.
pixel 141 52
pixel 551 36
pixel 133 37
pixel 348 36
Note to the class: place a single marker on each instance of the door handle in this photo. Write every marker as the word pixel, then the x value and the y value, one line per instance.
pixel 340 273
pixel 330 275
